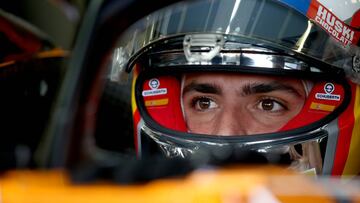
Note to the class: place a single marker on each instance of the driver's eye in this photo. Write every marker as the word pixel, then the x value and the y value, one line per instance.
pixel 203 103
pixel 271 105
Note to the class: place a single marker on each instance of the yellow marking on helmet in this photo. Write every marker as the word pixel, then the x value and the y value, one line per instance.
pixel 157 102
pixel 322 107
pixel 133 101
pixel 352 166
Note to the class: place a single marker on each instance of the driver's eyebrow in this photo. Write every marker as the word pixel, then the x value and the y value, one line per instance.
pixel 248 89
pixel 255 88
pixel 202 87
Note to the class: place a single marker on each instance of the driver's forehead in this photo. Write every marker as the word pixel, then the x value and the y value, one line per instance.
pixel 238 79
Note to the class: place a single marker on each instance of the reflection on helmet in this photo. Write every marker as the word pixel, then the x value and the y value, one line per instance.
pixel 220 77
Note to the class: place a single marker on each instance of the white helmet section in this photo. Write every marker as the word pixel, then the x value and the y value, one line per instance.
pixel 344 10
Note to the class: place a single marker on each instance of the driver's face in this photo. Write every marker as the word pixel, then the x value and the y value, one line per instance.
pixel 234 104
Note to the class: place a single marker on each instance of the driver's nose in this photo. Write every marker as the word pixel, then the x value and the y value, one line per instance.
pixel 232 122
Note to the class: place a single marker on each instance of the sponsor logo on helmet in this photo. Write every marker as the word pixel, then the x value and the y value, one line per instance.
pixel 154 85
pixel 332 24
pixel 329 89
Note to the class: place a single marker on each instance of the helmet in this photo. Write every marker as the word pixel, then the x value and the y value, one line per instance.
pixel 277 77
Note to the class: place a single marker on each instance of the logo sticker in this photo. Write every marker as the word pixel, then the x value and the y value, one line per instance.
pixel 154 85
pixel 332 24
pixel 329 89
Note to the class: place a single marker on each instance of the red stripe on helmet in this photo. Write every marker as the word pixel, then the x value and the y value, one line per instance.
pixel 346 123
pixel 136 117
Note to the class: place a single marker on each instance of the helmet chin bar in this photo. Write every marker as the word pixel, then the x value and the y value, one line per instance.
pixel 301 153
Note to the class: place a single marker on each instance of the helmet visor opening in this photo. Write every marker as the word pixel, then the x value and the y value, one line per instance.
pixel 223 103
